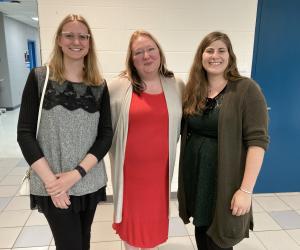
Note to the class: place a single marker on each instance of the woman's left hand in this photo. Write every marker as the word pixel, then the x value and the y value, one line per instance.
pixel 63 183
pixel 240 203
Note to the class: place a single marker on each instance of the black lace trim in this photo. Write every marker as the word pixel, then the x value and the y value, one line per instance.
pixel 73 96
pixel 212 103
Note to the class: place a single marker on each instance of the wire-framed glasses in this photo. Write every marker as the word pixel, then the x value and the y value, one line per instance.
pixel 141 52
pixel 82 37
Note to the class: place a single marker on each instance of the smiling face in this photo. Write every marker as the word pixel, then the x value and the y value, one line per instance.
pixel 215 58
pixel 74 41
pixel 145 56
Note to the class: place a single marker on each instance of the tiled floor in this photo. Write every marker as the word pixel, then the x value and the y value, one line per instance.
pixel 277 216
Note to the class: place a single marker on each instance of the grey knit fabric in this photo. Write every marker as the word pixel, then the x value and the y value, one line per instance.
pixel 65 136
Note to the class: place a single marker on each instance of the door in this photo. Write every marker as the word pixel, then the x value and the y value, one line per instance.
pixel 276 66
pixel 32 54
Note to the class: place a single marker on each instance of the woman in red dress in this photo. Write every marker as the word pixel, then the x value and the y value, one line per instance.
pixel 146 115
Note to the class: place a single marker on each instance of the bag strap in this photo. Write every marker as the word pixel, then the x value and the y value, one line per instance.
pixel 42 100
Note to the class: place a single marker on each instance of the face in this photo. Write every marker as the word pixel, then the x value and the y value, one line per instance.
pixel 145 56
pixel 74 40
pixel 215 58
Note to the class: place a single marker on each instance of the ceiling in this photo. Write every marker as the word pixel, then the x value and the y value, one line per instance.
pixel 22 11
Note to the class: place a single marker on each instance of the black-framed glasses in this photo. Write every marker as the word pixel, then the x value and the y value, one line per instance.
pixel 82 37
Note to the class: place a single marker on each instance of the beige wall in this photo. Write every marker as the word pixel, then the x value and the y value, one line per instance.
pixel 179 25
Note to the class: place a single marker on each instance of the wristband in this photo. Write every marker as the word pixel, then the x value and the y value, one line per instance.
pixel 245 191
pixel 81 170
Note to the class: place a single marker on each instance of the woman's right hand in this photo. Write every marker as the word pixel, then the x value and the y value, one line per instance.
pixel 61 201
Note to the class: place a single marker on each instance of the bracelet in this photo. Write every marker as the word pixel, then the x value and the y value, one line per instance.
pixel 81 170
pixel 245 191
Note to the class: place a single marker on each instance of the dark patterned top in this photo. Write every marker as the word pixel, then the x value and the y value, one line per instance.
pixel 200 162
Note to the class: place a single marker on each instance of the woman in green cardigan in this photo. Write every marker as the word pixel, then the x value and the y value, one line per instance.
pixel 224 139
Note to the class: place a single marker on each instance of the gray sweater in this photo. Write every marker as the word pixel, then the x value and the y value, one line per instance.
pixel 75 120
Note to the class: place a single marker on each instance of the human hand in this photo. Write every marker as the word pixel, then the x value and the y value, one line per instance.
pixel 61 201
pixel 240 203
pixel 63 183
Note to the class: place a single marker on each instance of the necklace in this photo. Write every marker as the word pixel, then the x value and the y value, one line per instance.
pixel 214 92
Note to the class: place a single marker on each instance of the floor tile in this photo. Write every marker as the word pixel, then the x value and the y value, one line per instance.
pixel 22 163
pixel 263 221
pixel 287 219
pixel 18 171
pixel 36 219
pixel 193 240
pixel 4 201
pixel 9 180
pixel 177 228
pixel 271 203
pixel 4 171
pixel 173 209
pixel 190 228
pixel 263 195
pixel 277 240
pixel 8 191
pixel 9 162
pixel 14 218
pixel 52 243
pixel 34 236
pixel 292 200
pixel 113 245
pixel 32 248
pixel 177 243
pixel 256 207
pixel 104 212
pixel 175 201
pixel 19 203
pixel 8 236
pixel 295 234
pixel 251 243
pixel 288 193
pixel 102 231
pixel 10 150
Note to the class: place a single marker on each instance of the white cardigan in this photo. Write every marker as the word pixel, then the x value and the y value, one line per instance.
pixel 120 90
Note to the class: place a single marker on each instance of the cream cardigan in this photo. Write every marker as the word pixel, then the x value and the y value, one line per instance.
pixel 120 90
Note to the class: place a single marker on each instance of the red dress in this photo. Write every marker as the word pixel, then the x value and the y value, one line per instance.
pixel 146 173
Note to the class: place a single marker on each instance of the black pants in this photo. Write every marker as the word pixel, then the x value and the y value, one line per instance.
pixel 204 242
pixel 71 231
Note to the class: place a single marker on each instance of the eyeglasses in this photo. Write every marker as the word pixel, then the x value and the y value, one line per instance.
pixel 82 37
pixel 141 52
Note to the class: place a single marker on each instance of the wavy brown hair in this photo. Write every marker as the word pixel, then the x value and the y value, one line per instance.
pixel 130 71
pixel 91 73
pixel 196 90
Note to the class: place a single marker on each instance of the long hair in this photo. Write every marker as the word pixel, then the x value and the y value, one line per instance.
pixel 130 71
pixel 91 73
pixel 196 90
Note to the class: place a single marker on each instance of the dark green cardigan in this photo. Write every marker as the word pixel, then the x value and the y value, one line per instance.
pixel 243 122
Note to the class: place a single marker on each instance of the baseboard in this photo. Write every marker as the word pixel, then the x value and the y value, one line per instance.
pixel 12 108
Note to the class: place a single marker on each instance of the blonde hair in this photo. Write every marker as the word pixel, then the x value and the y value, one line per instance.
pixel 130 71
pixel 91 73
pixel 196 90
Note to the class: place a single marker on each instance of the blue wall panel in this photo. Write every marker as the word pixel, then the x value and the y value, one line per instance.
pixel 276 67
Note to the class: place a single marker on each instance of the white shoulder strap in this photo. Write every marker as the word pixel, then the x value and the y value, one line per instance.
pixel 42 100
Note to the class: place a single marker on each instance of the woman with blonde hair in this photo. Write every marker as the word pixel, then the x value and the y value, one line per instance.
pixel 146 115
pixel 223 142
pixel 68 176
